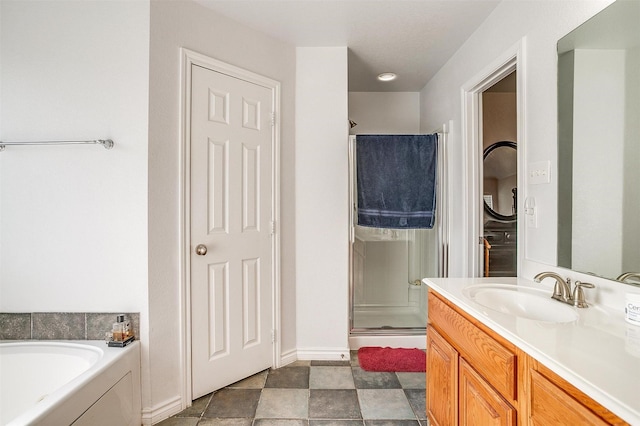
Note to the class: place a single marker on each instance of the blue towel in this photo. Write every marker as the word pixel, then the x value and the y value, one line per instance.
pixel 396 180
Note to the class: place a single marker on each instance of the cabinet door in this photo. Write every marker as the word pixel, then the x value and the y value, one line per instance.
pixel 479 403
pixel 550 405
pixel 442 381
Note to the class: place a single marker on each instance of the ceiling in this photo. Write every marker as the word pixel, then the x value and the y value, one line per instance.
pixel 412 38
pixel 616 27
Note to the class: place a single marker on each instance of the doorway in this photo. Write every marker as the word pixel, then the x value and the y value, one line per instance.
pixel 510 63
pixel 499 169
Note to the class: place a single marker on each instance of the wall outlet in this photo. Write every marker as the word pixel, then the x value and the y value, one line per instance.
pixel 539 172
pixel 532 218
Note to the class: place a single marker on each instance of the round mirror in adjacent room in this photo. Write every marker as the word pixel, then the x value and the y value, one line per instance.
pixel 500 180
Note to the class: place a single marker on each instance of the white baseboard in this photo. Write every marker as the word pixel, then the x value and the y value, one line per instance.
pixel 162 411
pixel 323 354
pixel 419 341
pixel 288 357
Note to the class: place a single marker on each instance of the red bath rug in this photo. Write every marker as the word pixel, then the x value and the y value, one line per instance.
pixel 375 358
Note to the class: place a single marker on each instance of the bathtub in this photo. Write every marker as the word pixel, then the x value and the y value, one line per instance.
pixel 71 382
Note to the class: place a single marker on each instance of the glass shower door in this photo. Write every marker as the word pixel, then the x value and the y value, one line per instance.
pixel 387 268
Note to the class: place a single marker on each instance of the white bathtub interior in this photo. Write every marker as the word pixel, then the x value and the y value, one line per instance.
pixel 80 383
pixel 26 377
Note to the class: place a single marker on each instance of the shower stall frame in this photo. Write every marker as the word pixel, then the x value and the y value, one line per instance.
pixel 397 336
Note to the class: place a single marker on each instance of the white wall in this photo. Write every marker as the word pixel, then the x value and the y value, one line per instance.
pixel 176 24
pixel 385 112
pixel 73 219
pixel 322 203
pixel 539 25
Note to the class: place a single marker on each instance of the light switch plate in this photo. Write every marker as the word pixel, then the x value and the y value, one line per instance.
pixel 539 172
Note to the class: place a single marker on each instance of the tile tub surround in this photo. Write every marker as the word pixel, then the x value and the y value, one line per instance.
pixel 313 393
pixel 15 326
pixel 61 325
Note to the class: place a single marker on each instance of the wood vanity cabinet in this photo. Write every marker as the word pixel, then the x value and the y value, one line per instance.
pixel 476 377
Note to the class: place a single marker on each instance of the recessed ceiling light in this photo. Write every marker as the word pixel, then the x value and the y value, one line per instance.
pixel 387 76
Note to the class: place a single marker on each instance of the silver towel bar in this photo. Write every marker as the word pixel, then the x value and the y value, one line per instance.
pixel 106 143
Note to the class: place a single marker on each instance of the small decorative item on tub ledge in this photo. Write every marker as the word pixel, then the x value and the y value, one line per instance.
pixel 122 344
pixel 121 333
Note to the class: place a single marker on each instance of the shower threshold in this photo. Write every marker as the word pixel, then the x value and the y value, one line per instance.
pixel 388 331
pixel 394 338
pixel 389 318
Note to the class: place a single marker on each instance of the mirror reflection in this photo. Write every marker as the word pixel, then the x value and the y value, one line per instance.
pixel 500 180
pixel 599 144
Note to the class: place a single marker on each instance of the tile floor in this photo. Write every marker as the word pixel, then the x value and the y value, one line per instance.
pixel 313 393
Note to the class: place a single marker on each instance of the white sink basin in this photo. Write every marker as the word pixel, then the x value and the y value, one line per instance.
pixel 523 302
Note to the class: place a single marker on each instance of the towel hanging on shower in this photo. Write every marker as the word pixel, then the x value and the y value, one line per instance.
pixel 396 180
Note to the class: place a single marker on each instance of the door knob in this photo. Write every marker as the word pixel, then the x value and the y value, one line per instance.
pixel 201 249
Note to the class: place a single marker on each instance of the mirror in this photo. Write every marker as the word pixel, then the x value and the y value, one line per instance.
pixel 599 143
pixel 500 180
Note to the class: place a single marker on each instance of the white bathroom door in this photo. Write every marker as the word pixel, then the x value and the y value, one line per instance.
pixel 231 222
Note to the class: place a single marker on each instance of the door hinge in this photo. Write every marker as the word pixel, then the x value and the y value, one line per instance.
pixel 273 119
pixel 481 240
pixel 272 226
pixel 273 336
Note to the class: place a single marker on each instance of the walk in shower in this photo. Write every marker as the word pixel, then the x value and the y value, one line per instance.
pixel 387 266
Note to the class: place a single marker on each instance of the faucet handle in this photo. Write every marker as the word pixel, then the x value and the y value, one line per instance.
pixel 562 292
pixel 578 294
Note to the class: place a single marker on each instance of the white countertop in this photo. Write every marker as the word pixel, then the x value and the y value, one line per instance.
pixel 599 353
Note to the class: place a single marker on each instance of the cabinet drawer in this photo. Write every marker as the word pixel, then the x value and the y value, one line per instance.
pixel 498 364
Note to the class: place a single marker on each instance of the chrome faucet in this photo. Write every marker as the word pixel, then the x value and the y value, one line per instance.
pixel 562 289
